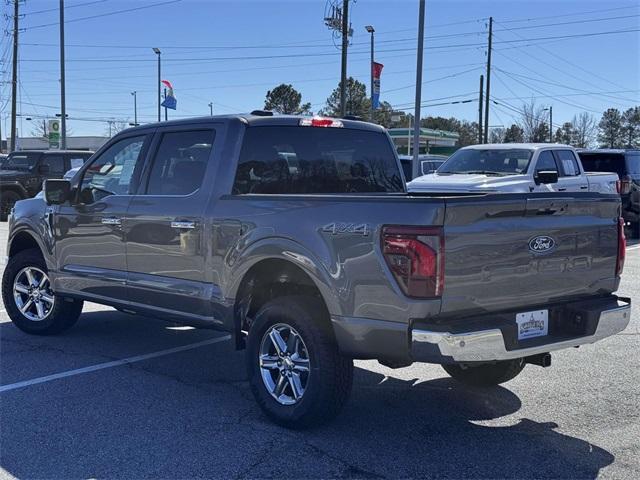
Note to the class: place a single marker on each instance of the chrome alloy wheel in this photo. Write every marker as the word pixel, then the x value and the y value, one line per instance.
pixel 32 294
pixel 284 364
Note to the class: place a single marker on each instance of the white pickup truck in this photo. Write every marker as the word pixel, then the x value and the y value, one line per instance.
pixel 513 168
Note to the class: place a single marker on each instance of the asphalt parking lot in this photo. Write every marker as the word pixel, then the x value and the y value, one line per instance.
pixel 179 407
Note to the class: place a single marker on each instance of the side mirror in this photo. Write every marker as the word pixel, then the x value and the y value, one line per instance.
pixel 56 192
pixel 43 169
pixel 546 176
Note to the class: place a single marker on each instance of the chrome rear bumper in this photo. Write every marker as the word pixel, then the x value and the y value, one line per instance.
pixel 489 345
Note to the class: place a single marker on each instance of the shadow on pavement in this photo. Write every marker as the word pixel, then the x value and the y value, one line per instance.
pixel 192 415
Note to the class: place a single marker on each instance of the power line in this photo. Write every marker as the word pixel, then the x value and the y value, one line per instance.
pixel 533 19
pixel 572 64
pixel 550 65
pixel 245 47
pixel 589 20
pixel 432 80
pixel 362 52
pixel 67 7
pixel 106 14
pixel 583 92
pixel 555 97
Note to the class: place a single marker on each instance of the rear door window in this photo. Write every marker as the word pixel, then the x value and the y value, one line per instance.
pixel 568 162
pixel 76 161
pixel 55 164
pixel 180 162
pixel 291 159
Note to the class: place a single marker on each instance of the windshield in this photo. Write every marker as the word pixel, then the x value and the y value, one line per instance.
pixel 487 161
pixel 21 161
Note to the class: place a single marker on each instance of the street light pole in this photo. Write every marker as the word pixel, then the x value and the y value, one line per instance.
pixel 416 117
pixel 371 30
pixel 63 107
pixel 211 108
pixel 157 52
pixel 550 108
pixel 135 108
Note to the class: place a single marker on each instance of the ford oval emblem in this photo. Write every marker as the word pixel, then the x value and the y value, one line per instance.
pixel 542 244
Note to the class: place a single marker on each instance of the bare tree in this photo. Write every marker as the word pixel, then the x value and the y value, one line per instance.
pixel 534 122
pixel 114 126
pixel 40 129
pixel 585 128
pixel 497 135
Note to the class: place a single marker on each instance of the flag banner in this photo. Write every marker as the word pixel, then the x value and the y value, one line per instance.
pixel 377 72
pixel 169 99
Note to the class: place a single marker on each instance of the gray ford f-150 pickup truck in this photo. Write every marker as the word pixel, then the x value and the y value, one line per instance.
pixel 296 235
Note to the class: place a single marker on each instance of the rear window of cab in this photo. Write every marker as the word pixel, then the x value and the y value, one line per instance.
pixel 298 160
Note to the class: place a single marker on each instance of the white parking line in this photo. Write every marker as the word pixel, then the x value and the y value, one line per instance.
pixel 115 363
pixel 633 247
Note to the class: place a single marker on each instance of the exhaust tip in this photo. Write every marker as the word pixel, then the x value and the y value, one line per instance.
pixel 542 360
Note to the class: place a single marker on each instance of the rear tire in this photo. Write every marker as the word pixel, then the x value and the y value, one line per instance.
pixel 21 296
pixel 7 201
pixel 487 375
pixel 322 389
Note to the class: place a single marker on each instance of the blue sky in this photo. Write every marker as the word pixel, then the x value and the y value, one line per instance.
pixel 212 49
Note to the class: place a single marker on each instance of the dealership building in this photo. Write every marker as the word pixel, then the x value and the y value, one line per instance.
pixel 431 141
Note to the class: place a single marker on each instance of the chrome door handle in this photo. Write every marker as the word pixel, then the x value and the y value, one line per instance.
pixel 584 187
pixel 183 225
pixel 111 221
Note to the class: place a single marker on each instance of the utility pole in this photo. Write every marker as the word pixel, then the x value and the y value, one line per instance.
pixel 487 99
pixel 0 124
pixel 371 30
pixel 63 106
pixel 416 118
pixel 211 108
pixel 550 124
pixel 14 76
pixel 480 110
pixel 345 45
pixel 157 52
pixel 135 108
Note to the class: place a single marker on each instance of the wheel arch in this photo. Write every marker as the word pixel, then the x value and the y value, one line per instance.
pixel 268 274
pixel 24 239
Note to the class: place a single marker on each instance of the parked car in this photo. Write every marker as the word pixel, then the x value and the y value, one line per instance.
pixel 510 167
pixel 428 164
pixel 24 171
pixel 3 157
pixel 626 164
pixel 316 257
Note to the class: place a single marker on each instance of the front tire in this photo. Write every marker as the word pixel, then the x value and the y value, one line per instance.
pixel 296 373
pixel 487 375
pixel 30 302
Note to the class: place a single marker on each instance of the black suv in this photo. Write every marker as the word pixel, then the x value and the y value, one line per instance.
pixel 23 172
pixel 626 163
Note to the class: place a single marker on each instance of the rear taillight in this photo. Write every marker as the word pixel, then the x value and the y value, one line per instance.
pixel 415 256
pixel 624 185
pixel 622 248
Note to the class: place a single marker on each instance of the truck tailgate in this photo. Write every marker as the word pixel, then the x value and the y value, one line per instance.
pixel 515 251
